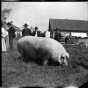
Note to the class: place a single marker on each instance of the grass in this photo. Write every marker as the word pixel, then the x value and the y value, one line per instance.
pixel 16 72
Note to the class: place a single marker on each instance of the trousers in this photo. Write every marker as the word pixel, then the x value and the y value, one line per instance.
pixel 11 43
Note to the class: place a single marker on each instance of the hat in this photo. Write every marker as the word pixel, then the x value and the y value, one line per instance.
pixel 8 23
pixel 36 27
pixel 57 29
pixel 11 21
pixel 25 25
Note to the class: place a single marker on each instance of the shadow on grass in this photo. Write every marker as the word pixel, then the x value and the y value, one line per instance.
pixel 39 61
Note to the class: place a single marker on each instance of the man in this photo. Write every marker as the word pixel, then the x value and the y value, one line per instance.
pixel 11 33
pixel 57 35
pixel 36 32
pixel 26 31
pixel 66 40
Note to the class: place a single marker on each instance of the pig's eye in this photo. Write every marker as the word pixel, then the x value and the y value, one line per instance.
pixel 62 59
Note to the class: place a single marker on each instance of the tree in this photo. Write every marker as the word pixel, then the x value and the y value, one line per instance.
pixel 5 14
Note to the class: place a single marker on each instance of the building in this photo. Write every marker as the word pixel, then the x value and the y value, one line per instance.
pixel 18 31
pixel 32 29
pixel 67 27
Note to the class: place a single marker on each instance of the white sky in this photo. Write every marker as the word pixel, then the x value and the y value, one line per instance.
pixel 39 13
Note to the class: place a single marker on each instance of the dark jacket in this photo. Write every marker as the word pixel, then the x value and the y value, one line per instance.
pixel 26 32
pixel 66 39
pixel 57 36
pixel 38 33
pixel 11 32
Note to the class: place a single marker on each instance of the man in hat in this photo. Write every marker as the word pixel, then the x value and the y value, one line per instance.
pixel 36 32
pixel 11 33
pixel 26 31
pixel 57 35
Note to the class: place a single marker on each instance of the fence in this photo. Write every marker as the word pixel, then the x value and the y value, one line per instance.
pixel 78 43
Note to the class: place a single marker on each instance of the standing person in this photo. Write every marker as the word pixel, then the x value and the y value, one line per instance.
pixel 3 38
pixel 66 41
pixel 11 33
pixel 26 31
pixel 36 32
pixel 57 35
pixel 7 38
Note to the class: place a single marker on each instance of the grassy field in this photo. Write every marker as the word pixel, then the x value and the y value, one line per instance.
pixel 16 72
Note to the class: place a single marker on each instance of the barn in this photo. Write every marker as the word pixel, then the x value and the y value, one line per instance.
pixel 18 31
pixel 77 28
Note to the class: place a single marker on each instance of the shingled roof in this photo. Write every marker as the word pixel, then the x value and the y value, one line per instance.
pixel 68 25
pixel 16 28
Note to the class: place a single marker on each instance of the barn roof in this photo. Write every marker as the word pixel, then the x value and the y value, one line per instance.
pixel 68 25
pixel 16 28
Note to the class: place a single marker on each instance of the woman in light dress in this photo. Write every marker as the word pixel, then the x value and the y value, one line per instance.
pixel 3 39
pixel 7 37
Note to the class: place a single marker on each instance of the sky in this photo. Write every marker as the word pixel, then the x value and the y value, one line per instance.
pixel 39 13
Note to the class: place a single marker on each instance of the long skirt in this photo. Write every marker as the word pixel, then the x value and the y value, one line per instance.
pixel 3 45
